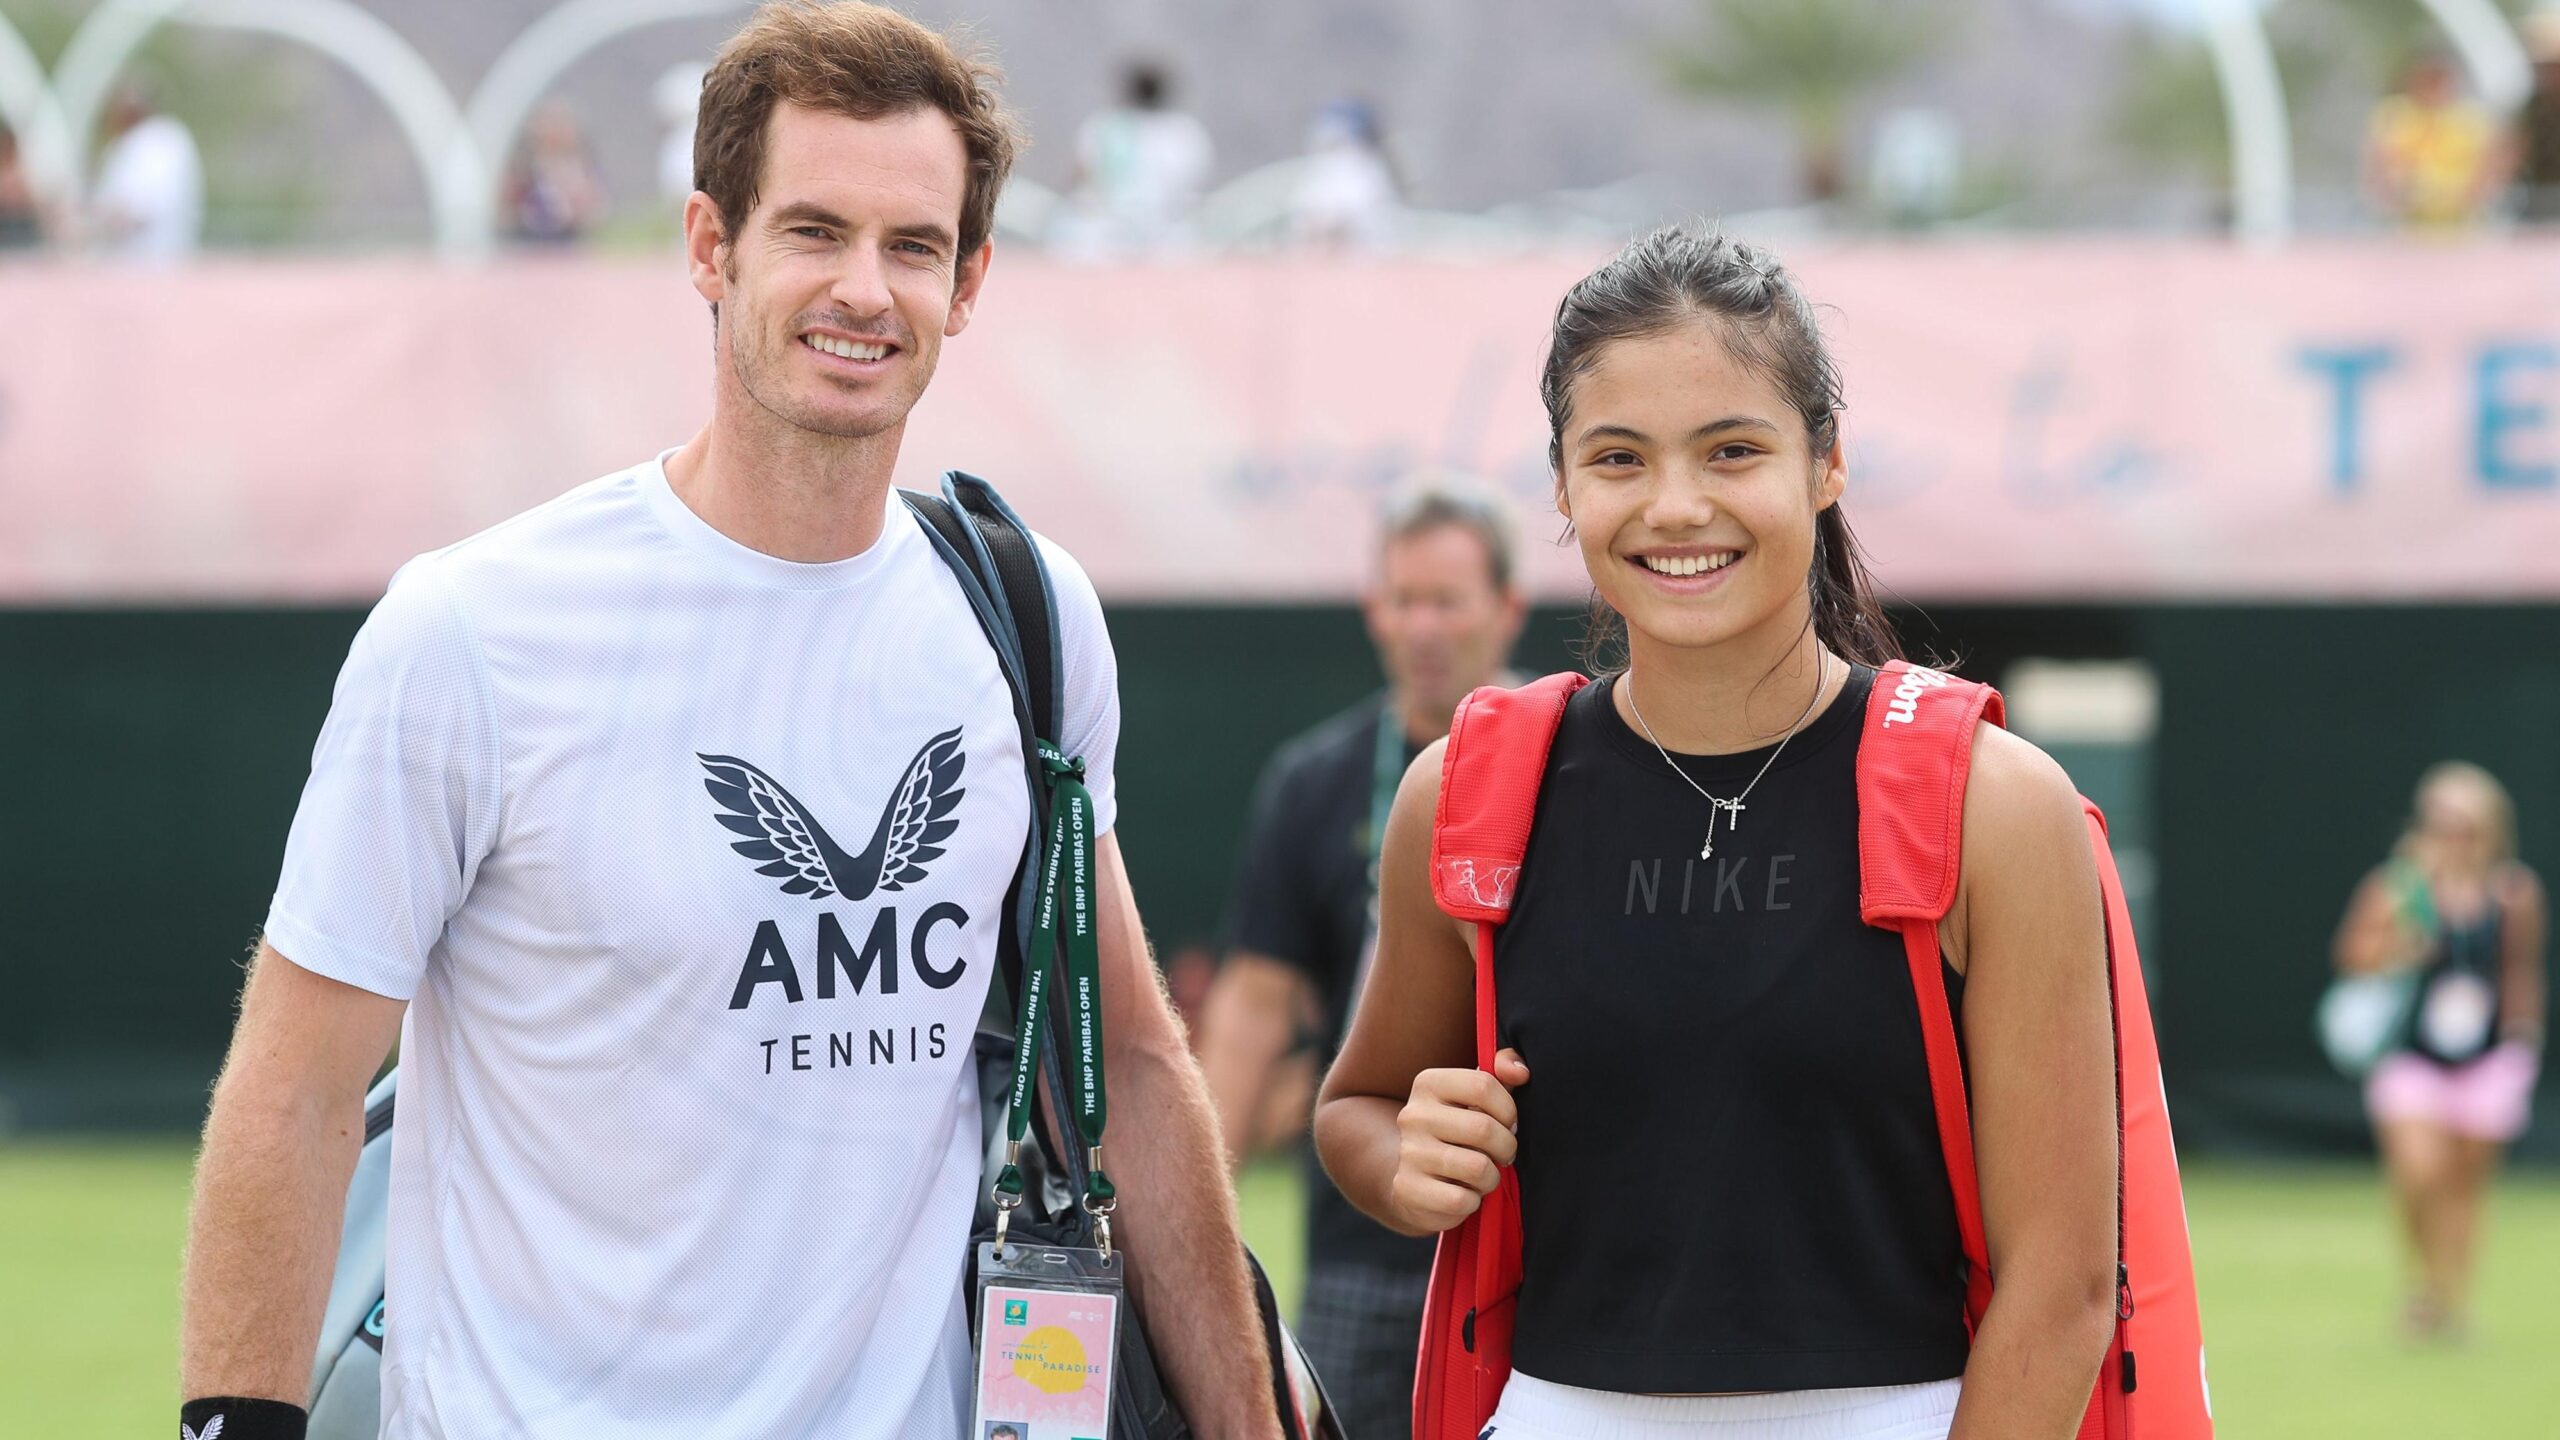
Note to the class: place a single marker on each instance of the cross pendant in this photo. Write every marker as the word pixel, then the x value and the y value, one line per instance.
pixel 1732 816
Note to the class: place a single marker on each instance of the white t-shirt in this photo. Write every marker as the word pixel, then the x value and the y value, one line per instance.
pixel 690 861
pixel 151 186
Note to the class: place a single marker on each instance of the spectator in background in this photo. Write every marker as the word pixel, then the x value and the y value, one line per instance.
pixel 554 195
pixel 1348 193
pixel 21 221
pixel 1302 925
pixel 149 200
pixel 1141 167
pixel 2538 137
pixel 2433 158
pixel 2456 910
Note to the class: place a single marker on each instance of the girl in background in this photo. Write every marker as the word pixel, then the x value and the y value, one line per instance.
pixel 2455 906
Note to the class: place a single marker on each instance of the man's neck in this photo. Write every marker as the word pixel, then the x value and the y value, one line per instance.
pixel 785 491
pixel 1421 726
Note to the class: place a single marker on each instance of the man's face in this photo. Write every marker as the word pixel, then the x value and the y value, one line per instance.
pixel 2431 82
pixel 836 291
pixel 1441 626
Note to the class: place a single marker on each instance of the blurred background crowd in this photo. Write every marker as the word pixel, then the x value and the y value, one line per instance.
pixel 1429 125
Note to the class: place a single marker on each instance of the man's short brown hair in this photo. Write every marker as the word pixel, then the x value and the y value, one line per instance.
pixel 848 58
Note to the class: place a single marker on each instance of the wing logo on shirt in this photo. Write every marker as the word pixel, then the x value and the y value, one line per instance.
pixel 785 836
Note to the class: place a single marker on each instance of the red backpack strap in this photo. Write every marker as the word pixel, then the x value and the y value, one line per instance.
pixel 1490 771
pixel 1912 765
pixel 1489 775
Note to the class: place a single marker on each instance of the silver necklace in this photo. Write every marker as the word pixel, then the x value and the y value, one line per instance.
pixel 1732 809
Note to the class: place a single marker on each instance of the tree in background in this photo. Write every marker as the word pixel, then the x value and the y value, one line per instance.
pixel 1811 59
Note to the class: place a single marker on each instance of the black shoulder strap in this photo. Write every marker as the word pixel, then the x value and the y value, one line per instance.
pixel 991 552
pixel 1024 581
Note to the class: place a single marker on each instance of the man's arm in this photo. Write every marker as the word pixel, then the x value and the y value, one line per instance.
pixel 271 1184
pixel 1178 1218
pixel 1246 1028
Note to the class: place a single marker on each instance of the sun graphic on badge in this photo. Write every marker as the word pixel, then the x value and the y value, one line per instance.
pixel 1050 1359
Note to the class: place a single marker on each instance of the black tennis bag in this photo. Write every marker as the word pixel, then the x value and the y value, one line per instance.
pixel 999 567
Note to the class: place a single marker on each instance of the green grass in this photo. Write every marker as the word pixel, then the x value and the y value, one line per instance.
pixel 89 1242
pixel 2300 1281
pixel 2298 1274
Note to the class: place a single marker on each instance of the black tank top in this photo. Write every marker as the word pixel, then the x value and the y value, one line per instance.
pixel 1729 1168
pixel 2459 1009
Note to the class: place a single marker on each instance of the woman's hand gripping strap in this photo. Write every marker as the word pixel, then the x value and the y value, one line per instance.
pixel 1490 771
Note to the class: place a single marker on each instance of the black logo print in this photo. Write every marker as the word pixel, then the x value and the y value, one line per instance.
pixel 797 850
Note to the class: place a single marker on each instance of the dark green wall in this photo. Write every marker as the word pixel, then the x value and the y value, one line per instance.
pixel 156 757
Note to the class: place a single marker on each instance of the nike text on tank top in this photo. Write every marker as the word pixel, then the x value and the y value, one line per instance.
pixel 1729 1169
pixel 690 862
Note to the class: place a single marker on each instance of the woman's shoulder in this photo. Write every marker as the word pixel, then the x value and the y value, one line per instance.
pixel 2012 781
pixel 2519 887
pixel 2021 812
pixel 1421 783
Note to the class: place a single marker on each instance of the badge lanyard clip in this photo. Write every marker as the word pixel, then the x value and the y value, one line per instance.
pixel 1066 872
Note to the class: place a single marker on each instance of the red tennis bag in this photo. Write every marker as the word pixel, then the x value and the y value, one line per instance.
pixel 1912 764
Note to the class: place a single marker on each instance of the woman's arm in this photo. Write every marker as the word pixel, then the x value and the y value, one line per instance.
pixel 2522 983
pixel 2373 938
pixel 1407 1126
pixel 2039 1043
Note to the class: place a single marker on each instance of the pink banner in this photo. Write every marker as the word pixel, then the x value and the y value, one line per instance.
pixel 2030 421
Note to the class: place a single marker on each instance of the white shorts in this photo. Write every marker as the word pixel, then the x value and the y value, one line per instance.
pixel 1535 1409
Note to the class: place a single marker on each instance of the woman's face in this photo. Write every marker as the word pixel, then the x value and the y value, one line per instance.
pixel 1692 488
pixel 2459 823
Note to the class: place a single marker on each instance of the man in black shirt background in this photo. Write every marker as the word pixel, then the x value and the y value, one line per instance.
pixel 1443 612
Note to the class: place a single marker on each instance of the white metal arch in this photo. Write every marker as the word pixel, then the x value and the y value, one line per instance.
pixel 457 178
pixel 2254 117
pixel 525 71
pixel 2489 49
pixel 27 103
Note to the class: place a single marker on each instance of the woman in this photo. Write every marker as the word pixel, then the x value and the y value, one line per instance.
pixel 1737 1219
pixel 2454 906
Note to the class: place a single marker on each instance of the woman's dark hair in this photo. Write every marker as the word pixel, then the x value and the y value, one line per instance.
pixel 1677 275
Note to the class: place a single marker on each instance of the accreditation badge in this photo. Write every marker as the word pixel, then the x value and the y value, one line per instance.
pixel 1048 1328
pixel 2457 1014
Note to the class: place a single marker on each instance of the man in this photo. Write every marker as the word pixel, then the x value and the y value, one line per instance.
pixel 148 204
pixel 1443 615
pixel 689 1143
pixel 2434 159
pixel 1141 167
pixel 2538 125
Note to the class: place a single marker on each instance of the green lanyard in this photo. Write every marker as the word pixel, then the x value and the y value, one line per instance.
pixel 1386 772
pixel 1067 859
